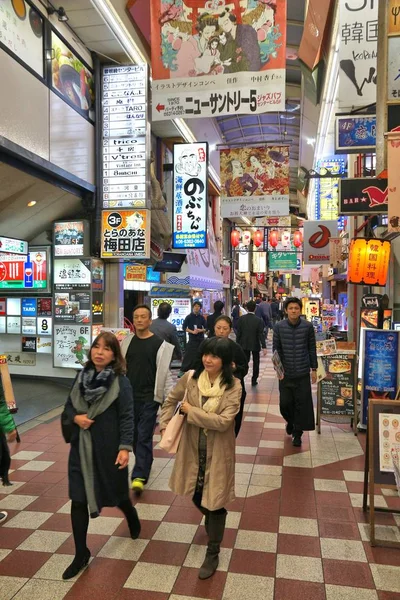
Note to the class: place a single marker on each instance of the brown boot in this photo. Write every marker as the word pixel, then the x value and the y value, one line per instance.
pixel 216 528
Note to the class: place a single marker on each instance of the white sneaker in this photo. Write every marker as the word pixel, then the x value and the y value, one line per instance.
pixel 3 516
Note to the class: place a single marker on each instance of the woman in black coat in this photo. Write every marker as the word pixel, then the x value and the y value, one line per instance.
pixel 101 407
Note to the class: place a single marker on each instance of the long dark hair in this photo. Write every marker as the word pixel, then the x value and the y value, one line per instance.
pixel 222 348
pixel 118 364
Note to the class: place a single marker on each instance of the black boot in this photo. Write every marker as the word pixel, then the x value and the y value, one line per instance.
pixel 216 528
pixel 197 502
pixel 77 565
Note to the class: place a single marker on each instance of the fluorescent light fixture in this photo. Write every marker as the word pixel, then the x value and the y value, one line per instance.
pixel 246 220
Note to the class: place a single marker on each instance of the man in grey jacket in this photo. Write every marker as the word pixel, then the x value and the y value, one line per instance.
pixel 147 359
pixel 294 341
pixel 166 330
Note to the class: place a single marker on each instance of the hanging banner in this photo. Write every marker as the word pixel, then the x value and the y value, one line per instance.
pixel 316 241
pixel 190 195
pixel 125 234
pixel 393 76
pixel 358 52
pixel 254 181
pixel 313 34
pixel 217 57
pixel 327 188
pixel 355 134
pixel 393 157
pixel 363 196
pixel 335 252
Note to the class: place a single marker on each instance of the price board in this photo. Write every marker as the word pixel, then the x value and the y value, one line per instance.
pixel 337 389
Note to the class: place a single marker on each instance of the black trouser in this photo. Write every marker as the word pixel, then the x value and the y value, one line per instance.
pixel 145 416
pixel 191 356
pixel 239 416
pixel 197 496
pixel 295 403
pixel 256 363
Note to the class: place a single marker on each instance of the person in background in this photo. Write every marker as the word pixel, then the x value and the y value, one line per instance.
pixel 166 330
pixel 218 308
pixel 294 340
pixel 8 433
pixel 275 312
pixel 204 467
pixel 148 359
pixel 263 311
pixel 100 405
pixel 195 326
pixel 235 314
pixel 250 336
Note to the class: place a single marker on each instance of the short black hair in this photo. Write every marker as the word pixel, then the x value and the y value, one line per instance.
pixel 223 318
pixel 218 305
pixel 197 302
pixel 164 310
pixel 293 300
pixel 251 306
pixel 142 306
pixel 222 348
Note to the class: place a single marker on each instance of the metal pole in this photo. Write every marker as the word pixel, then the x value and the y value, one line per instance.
pixel 381 87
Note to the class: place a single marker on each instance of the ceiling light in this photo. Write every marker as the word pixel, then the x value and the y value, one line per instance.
pixel 62 15
pixel 311 141
pixel 31 203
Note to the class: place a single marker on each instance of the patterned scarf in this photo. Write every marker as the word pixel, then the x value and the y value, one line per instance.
pixel 94 385
pixel 212 392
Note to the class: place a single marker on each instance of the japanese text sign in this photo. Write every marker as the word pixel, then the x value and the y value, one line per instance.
pixel 368 261
pixel 363 196
pixel 13 246
pixel 327 188
pixel 355 134
pixel 190 195
pixel 21 32
pixel 217 57
pixel 393 75
pixel 316 241
pixel 335 252
pixel 125 234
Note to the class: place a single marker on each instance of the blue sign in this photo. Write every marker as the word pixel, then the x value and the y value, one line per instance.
pixel 28 307
pixel 380 366
pixel 355 134
pixel 152 276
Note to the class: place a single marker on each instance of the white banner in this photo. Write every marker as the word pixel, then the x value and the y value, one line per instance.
pixel 335 252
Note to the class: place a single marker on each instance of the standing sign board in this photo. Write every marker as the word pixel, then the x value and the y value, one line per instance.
pixel 355 134
pixel 125 136
pixel 363 196
pixel 190 195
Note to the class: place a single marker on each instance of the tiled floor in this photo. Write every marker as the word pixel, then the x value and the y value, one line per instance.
pixel 296 529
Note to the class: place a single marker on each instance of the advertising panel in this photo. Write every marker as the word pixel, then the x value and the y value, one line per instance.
pixel 14 325
pixel 214 58
pixel 44 345
pixel 44 307
pixel 13 246
pixel 355 134
pixel 30 272
pixel 255 181
pixel 282 261
pixel 28 325
pixel 72 307
pixel 21 32
pixel 71 238
pixel 190 195
pixel 28 307
pixel 393 79
pixel 363 196
pixel 125 234
pixel 97 307
pixel 181 308
pixel 71 345
pixel 19 359
pixel 135 272
pixel 327 189
pixel 44 326
pixel 72 273
pixel 97 275
pixel 316 241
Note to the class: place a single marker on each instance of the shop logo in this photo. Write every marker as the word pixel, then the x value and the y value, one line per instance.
pixel 320 239
pixel 376 196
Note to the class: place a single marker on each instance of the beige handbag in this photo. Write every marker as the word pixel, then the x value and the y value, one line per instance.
pixel 173 431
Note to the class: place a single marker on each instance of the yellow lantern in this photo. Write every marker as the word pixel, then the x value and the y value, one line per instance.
pixel 368 261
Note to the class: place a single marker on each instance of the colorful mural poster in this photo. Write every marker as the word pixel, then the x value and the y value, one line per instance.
pixel 71 345
pixel 217 57
pixel 254 181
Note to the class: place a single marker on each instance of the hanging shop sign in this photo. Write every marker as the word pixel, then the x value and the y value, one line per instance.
pixel 316 241
pixel 71 345
pixel 135 272
pixel 368 261
pixel 282 261
pixel 274 221
pixel 393 158
pixel 358 30
pixel 71 238
pixel 217 58
pixel 29 273
pixel 243 256
pixel 13 246
pixel 254 181
pixel 190 195
pixel 313 34
pixel 125 234
pixel 393 12
pixel 335 252
pixel 125 136
pixel 355 134
pixel 393 70
pixel 363 196
pixel 259 262
pixel 72 273
pixel 327 188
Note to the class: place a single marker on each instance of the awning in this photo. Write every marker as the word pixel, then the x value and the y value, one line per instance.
pixel 170 291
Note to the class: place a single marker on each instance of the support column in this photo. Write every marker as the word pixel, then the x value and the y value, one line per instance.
pixel 381 87
pixel 114 295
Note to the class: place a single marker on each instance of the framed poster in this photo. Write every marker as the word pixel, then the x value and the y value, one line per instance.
pixel 71 345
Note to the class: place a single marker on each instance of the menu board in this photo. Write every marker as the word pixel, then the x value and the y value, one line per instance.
pixel 389 440
pixel 71 345
pixel 72 274
pixel 337 388
pixel 125 127
pixel 30 272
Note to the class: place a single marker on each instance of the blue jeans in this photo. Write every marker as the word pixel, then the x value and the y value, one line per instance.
pixel 145 415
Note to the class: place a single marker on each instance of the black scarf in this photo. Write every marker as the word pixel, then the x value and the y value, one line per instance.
pixel 94 385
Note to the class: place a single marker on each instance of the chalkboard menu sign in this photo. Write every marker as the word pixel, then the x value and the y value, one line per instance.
pixel 337 389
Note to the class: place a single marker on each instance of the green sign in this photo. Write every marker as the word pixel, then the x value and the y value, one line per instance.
pixel 281 261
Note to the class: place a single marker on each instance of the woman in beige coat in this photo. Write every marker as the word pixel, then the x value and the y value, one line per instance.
pixel 205 461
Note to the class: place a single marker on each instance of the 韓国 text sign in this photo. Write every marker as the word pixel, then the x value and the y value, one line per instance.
pixel 190 195
pixel 125 234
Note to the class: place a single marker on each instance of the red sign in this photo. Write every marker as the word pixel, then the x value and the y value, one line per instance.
pixel 260 278
pixel 2 306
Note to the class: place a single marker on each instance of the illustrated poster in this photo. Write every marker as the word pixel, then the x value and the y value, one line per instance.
pixel 389 440
pixel 71 345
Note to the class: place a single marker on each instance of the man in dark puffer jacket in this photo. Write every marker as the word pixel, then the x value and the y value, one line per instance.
pixel 294 340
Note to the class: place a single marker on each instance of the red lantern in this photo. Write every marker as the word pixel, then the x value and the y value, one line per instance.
pixel 258 238
pixel 274 238
pixel 297 238
pixel 235 238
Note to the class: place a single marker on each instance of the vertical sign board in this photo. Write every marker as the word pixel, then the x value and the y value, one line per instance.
pixel 125 234
pixel 125 136
pixel 327 188
pixel 190 195
pixel 393 73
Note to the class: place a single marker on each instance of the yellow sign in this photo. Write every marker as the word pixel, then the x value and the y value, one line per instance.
pixel 125 234
pixel 394 16
pixel 135 273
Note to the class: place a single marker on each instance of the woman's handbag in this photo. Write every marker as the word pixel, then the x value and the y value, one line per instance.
pixel 173 431
pixel 66 426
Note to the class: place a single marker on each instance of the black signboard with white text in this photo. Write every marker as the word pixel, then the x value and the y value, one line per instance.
pixel 363 196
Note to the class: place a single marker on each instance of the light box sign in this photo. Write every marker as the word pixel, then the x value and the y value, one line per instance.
pixel 13 246
pixel 72 273
pixel 363 196
pixel 29 273
pixel 282 261
pixel 316 241
pixel 71 238
pixel 327 188
pixel 190 195
pixel 355 134
pixel 125 234
pixel 71 345
pixel 125 136
pixel 181 307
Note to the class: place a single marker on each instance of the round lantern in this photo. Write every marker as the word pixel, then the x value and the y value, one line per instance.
pixel 274 238
pixel 258 238
pixel 246 237
pixel 297 238
pixel 235 238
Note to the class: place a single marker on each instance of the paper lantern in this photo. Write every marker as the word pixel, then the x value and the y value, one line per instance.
pixel 258 238
pixel 246 237
pixel 235 238
pixel 368 261
pixel 274 238
pixel 297 238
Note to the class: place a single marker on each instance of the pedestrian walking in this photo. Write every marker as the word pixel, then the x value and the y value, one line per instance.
pixel 294 340
pixel 166 330
pixel 8 433
pixel 204 466
pixel 100 410
pixel 263 311
pixel 250 336
pixel 148 358
pixel 218 308
pixel 195 325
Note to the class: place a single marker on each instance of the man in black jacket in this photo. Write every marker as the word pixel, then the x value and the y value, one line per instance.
pixel 166 330
pixel 250 335
pixel 218 308
pixel 294 340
